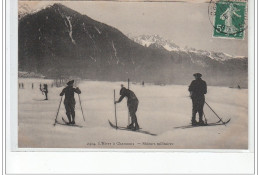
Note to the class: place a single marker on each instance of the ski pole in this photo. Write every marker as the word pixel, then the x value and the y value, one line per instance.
pixel 128 82
pixel 215 113
pixel 115 106
pixel 81 108
pixel 57 112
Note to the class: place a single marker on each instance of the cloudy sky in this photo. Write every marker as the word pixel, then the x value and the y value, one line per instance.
pixel 187 24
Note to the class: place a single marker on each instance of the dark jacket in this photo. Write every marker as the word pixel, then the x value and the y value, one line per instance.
pixel 45 89
pixel 69 93
pixel 127 93
pixel 198 88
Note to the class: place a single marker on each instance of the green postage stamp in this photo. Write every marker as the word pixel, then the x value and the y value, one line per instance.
pixel 230 19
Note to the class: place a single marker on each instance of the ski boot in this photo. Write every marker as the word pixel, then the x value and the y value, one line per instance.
pixel 73 123
pixel 194 123
pixel 131 126
pixel 201 123
pixel 136 127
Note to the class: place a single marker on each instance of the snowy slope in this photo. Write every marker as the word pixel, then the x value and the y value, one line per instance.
pixel 161 109
pixel 148 40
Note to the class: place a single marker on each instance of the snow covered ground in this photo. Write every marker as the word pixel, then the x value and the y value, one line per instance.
pixel 161 109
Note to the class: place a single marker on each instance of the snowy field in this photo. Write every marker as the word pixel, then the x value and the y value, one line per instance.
pixel 161 110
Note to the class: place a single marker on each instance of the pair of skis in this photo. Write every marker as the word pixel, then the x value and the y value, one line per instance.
pixel 126 129
pixel 208 124
pixel 220 122
pixel 65 122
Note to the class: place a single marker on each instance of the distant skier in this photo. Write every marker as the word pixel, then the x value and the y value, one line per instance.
pixel 32 85
pixel 69 101
pixel 143 83
pixel 45 91
pixel 41 89
pixel 22 86
pixel 197 89
pixel 132 103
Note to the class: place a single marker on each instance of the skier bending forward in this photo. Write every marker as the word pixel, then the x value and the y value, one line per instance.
pixel 69 101
pixel 132 103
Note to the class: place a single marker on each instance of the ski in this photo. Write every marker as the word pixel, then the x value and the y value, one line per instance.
pixel 126 129
pixel 209 124
pixel 67 123
pixel 59 123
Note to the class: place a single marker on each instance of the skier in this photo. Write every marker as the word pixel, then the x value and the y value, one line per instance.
pixel 45 91
pixel 132 103
pixel 197 89
pixel 69 101
pixel 32 85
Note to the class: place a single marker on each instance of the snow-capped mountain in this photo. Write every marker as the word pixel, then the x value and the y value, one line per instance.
pixel 23 9
pixel 57 42
pixel 158 41
pixel 147 40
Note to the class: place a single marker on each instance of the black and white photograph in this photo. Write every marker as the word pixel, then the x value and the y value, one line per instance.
pixel 133 75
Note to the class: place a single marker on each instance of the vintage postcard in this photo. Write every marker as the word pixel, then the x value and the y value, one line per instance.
pixel 133 75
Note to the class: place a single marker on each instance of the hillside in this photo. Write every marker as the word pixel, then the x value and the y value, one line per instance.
pixel 58 41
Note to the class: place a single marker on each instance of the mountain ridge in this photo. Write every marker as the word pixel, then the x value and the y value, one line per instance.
pixel 58 41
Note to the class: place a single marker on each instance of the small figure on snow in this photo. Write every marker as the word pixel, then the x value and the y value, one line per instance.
pixel 32 85
pixel 69 101
pixel 197 89
pixel 45 91
pixel 41 88
pixel 132 104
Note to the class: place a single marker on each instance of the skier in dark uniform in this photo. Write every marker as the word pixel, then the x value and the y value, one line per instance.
pixel 69 101
pixel 45 91
pixel 197 89
pixel 132 103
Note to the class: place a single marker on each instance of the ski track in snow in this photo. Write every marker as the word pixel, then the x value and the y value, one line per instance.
pixel 161 109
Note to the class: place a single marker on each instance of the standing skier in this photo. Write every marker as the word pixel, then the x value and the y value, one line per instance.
pixel 45 91
pixel 197 89
pixel 69 101
pixel 132 103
